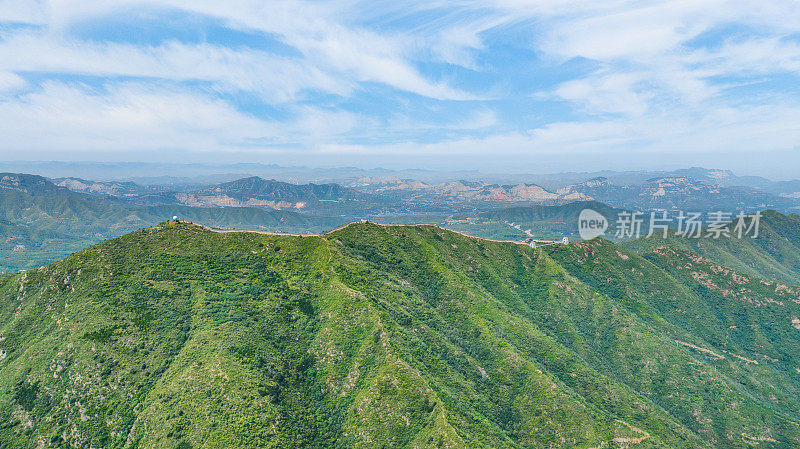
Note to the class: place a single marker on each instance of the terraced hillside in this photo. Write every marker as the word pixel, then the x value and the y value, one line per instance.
pixel 401 336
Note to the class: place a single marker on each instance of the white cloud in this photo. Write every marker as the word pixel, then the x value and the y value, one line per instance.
pixel 345 54
pixel 477 120
pixel 16 11
pixel 653 87
pixel 646 58
pixel 277 78
pixel 608 92
pixel 144 117
pixel 748 130
pixel 755 56
pixel 10 82
pixel 129 117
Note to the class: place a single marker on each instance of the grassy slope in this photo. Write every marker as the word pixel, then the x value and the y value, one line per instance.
pixel 745 322
pixel 379 337
pixel 775 254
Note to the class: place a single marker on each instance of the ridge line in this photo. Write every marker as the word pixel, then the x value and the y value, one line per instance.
pixel 350 223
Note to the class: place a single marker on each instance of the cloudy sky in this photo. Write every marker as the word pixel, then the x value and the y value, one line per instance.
pixel 467 81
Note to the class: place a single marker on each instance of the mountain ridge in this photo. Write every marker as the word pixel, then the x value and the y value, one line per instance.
pixel 374 335
pixel 774 255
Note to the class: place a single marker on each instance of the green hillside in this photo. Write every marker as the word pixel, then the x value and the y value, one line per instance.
pixel 521 222
pixel 25 247
pixel 774 254
pixel 566 214
pixel 42 228
pixel 400 336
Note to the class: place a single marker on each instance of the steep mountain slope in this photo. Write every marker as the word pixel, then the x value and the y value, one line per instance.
pixel 774 254
pixel 30 184
pixel 398 336
pixel 744 326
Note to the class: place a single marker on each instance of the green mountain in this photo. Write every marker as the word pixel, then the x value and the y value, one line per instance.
pixel 774 254
pixel 517 223
pixel 255 187
pixel 564 213
pixel 41 222
pixel 324 199
pixel 393 336
pixel 552 222
pixel 30 184
pixel 23 247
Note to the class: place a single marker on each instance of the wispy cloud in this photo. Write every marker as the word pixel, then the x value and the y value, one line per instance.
pixel 277 78
pixel 509 76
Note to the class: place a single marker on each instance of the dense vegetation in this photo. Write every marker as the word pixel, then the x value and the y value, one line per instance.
pixel 255 187
pixel 774 254
pixel 547 222
pixel 401 336
pixel 41 223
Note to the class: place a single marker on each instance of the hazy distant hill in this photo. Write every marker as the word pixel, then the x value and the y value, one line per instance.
pixel 678 193
pixel 271 194
pixel 255 187
pixel 111 188
pixel 567 214
pixel 464 191
pixel 662 192
pixel 545 222
pixel 42 222
pixel 30 184
pixel 406 336
pixel 181 175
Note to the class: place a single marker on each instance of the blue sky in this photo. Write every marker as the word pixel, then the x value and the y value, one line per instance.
pixel 470 82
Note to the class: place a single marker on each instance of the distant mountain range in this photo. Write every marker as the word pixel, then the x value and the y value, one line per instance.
pixel 246 192
pixel 255 191
pixel 683 193
pixel 30 184
pixel 469 191
pixel 665 193
pixel 76 212
pixel 41 222
pixel 110 188
pixel 688 189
